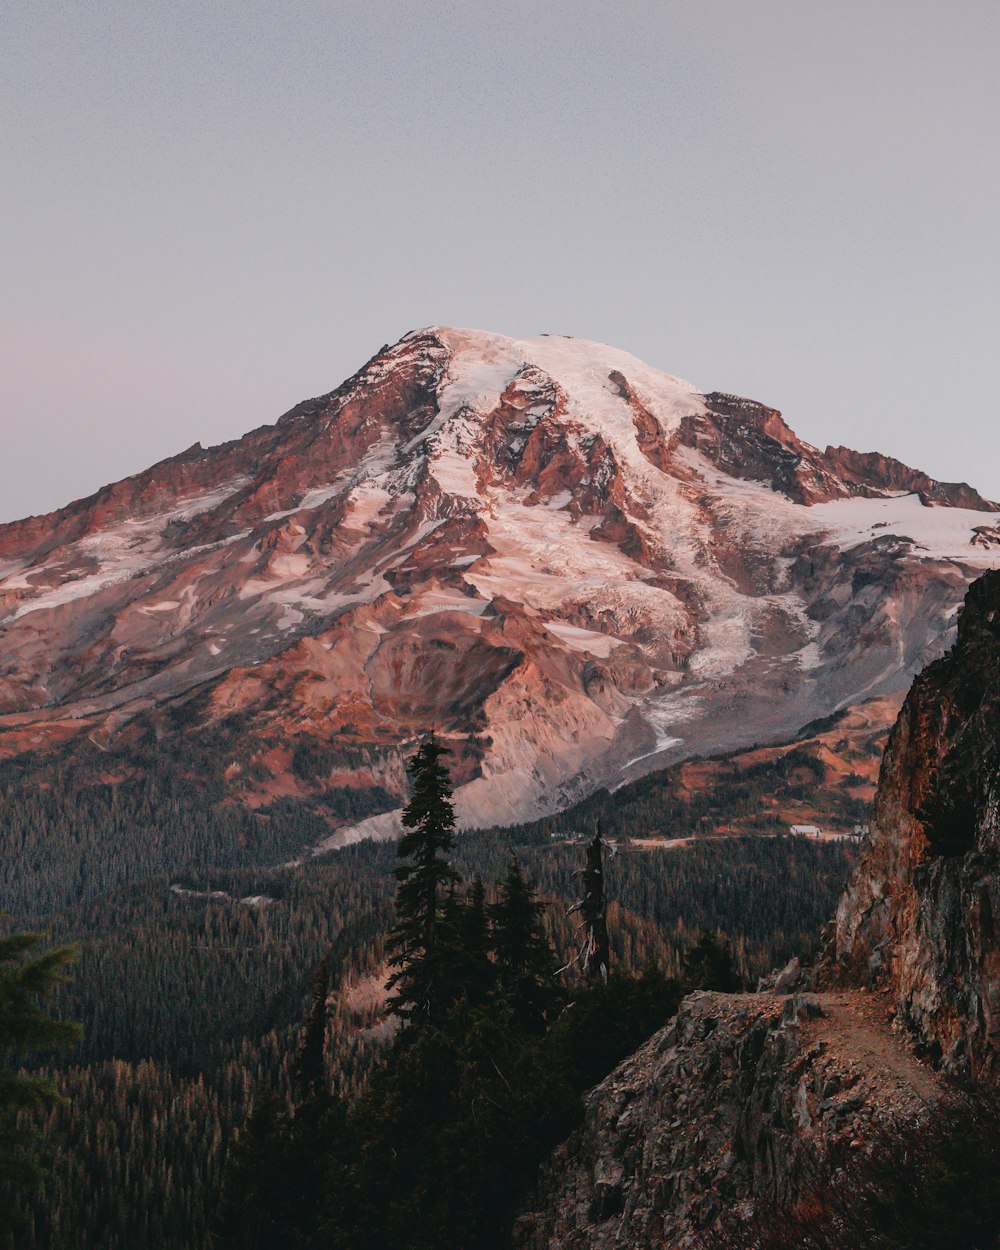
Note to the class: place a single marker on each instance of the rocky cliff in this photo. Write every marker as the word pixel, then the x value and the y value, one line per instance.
pixel 920 916
pixel 729 1106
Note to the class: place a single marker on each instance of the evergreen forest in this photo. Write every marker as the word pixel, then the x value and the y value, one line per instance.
pixel 196 979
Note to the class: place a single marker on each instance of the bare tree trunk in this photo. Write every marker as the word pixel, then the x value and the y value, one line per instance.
pixel 594 910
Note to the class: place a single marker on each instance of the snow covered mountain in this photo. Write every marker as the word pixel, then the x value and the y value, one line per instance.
pixel 573 566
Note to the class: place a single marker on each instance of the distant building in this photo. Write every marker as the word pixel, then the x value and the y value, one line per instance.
pixel 806 831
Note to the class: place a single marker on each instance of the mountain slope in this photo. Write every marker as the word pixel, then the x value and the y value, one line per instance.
pixel 575 567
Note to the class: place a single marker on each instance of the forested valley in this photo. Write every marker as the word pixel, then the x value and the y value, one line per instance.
pixel 196 967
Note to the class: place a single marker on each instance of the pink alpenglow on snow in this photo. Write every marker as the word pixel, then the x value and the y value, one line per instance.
pixel 574 567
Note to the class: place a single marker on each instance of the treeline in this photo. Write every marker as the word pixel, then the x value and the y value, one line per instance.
pixel 83 821
pixel 180 977
pixel 770 896
pixel 660 804
pixel 183 977
pixel 65 837
pixel 132 1154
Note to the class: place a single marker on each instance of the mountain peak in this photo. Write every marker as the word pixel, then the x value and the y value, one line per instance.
pixel 564 560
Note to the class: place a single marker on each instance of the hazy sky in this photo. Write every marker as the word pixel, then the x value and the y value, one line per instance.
pixel 213 210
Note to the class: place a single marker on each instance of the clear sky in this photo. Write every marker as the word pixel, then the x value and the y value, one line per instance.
pixel 213 210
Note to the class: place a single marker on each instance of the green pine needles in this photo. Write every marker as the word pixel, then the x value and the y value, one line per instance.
pixel 421 939
pixel 26 981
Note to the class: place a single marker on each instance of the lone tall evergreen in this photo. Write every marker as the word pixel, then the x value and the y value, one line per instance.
pixel 310 1069
pixel 421 949
pixel 278 1171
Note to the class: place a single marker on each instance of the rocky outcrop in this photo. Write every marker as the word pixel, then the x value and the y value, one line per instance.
pixel 730 1105
pixel 920 915
pixel 861 470
pixel 753 442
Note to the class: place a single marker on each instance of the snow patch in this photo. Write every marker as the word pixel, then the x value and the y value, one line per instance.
pixel 586 640
pixel 122 551
pixel 938 533
pixel 662 744
pixel 432 601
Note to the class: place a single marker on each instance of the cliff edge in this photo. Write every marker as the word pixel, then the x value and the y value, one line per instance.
pixel 919 915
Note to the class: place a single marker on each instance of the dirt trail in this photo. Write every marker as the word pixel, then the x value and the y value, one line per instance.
pixel 858 1036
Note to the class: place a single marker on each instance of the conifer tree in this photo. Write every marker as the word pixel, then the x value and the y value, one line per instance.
pixel 257 1204
pixel 475 928
pixel 25 983
pixel 710 964
pixel 525 963
pixel 279 1173
pixel 318 1118
pixel 478 971
pixel 310 1066
pixel 465 971
pixel 420 948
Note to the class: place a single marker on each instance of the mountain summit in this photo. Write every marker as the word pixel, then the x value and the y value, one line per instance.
pixel 573 566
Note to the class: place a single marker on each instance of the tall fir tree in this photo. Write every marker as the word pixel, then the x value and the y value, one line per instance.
pixel 465 971
pixel 310 1065
pixel 420 942
pixel 478 972
pixel 257 1205
pixel 525 964
pixel 318 1117
pixel 283 1173
pixel 26 981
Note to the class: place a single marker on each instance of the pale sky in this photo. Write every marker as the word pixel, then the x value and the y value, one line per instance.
pixel 213 210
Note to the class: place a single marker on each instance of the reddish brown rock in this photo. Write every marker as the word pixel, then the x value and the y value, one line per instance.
pixel 573 565
pixel 919 915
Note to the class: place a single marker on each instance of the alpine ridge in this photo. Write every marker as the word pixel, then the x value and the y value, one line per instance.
pixel 574 567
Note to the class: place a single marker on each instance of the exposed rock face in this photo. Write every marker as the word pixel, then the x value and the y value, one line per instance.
pixel 753 442
pixel 572 566
pixel 920 914
pixel 860 469
pixel 725 1106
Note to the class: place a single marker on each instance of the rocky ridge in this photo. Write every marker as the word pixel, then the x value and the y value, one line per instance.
pixel 731 1102
pixel 573 567
pixel 724 1108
